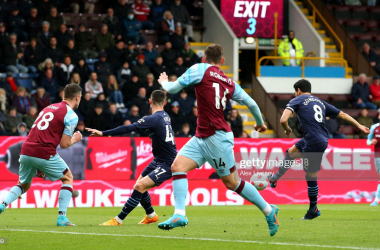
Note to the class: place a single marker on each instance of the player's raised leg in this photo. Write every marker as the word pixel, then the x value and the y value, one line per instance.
pixel 180 167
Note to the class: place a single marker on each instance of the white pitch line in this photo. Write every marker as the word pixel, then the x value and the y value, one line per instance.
pixel 190 238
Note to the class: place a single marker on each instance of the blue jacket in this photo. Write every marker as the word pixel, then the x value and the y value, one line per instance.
pixel 131 27
pixel 150 57
pixel 360 91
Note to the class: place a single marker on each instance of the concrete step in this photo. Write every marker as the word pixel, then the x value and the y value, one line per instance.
pixel 321 32
pixel 316 26
pixel 327 39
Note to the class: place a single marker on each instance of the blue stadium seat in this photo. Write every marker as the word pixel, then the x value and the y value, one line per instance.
pixel 25 82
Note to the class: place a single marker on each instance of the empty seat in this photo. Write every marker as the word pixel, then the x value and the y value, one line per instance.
pixel 372 25
pixel 352 112
pixel 374 13
pixel 323 97
pixel 372 113
pixel 347 130
pixel 362 39
pixel 360 12
pixel 342 12
pixel 377 42
pixel 283 100
pixel 354 26
pixel 340 101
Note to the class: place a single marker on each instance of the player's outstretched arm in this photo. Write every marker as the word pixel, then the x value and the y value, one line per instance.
pixel 67 141
pixel 352 121
pixel 370 139
pixel 170 87
pixel 121 130
pixel 284 121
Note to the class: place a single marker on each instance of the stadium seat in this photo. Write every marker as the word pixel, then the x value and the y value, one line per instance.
pixel 372 25
pixel 362 39
pixel 377 42
pixel 354 26
pixel 283 100
pixel 360 12
pixel 342 12
pixel 352 112
pixel 323 97
pixel 347 130
pixel 372 113
pixel 340 101
pixel 374 13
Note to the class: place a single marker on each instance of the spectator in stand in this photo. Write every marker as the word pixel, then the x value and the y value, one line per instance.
pixel 93 86
pixel 16 24
pixel 67 69
pixel 354 2
pixel 151 84
pixel 82 129
pixel 371 57
pixel 25 6
pixel 21 101
pixel 192 119
pixel 124 74
pixel 236 123
pixel 116 55
pixel 132 28
pixel 97 119
pixel 103 69
pixel 54 53
pixel 179 69
pixel 87 105
pixel 21 130
pixel 45 35
pixel 12 121
pixel 44 7
pixel 177 39
pixel 365 121
pixel 177 118
pixel 12 54
pixel 333 126
pixel 159 67
pixel 361 95
pixel 169 55
pixel 83 70
pixel 130 89
pixel 114 117
pixel 114 24
pixel 141 70
pixel 244 134
pixel 50 84
pixel 101 99
pixel 75 79
pixel 87 6
pixel 3 101
pixel 103 39
pixel 291 46
pixel 141 12
pixel 185 102
pixel 150 54
pixel 54 19
pixel 33 23
pixel 10 85
pixel 375 90
pixel 185 131
pixel 371 2
pixel 84 40
pixel 30 118
pixel 172 78
pixel 45 65
pixel 157 10
pixel 122 9
pixel 34 55
pixel 181 15
pixel 114 93
pixel 59 95
pixel 41 99
pixel 133 115
pixel 63 36
pixel 72 52
pixel 167 26
pixel 189 56
pixel 142 102
pixel 4 38
pixel 131 53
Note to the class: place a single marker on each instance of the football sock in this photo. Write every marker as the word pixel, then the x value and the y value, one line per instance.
pixel 250 193
pixel 13 194
pixel 312 191
pixel 378 192
pixel 64 198
pixel 131 203
pixel 286 164
pixel 146 204
pixel 180 187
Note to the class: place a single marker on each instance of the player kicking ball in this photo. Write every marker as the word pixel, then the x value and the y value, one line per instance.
pixel 375 133
pixel 54 126
pixel 311 113
pixel 158 126
pixel 214 140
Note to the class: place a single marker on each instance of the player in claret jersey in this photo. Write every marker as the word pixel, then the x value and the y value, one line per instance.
pixel 54 126
pixel 373 138
pixel 214 140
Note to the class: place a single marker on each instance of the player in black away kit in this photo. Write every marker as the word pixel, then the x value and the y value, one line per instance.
pixel 311 112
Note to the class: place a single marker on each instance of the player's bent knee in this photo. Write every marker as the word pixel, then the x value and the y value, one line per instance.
pixel 68 177
pixel 139 186
pixel 231 185
pixel 25 186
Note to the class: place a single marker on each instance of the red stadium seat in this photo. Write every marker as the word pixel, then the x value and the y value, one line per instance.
pixel 283 100
pixel 355 26
pixel 374 13
pixel 362 39
pixel 352 112
pixel 372 113
pixel 347 130
pixel 340 101
pixel 372 25
pixel 360 12
pixel 323 97
pixel 342 12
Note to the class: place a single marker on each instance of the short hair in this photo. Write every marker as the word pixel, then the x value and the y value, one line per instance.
pixel 71 91
pixel 362 75
pixel 158 97
pixel 214 53
pixel 45 22
pixel 111 103
pixel 304 85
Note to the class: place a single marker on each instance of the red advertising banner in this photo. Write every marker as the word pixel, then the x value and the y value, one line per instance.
pixel 98 193
pixel 253 18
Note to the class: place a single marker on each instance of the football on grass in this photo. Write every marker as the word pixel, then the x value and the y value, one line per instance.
pixel 259 181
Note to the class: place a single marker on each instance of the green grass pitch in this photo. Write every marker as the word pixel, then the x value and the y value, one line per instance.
pixel 216 227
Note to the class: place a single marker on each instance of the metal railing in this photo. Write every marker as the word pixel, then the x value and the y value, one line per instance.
pixel 342 62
